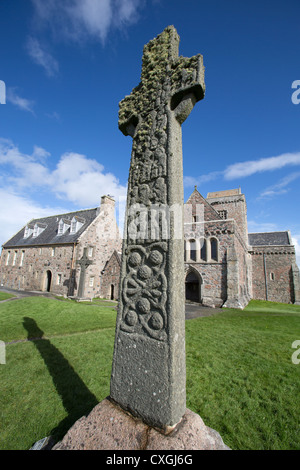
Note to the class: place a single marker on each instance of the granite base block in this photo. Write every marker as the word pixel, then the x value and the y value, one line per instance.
pixel 108 427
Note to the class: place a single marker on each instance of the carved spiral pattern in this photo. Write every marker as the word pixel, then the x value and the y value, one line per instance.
pixel 144 291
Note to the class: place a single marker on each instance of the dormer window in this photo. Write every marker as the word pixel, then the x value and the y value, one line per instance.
pixel 28 230
pixel 38 229
pixel 63 226
pixel 76 224
pixel 60 227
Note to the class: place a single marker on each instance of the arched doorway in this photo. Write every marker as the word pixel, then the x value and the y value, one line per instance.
pixel 48 280
pixel 193 283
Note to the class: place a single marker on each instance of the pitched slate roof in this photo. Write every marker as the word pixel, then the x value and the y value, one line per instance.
pixel 49 235
pixel 269 238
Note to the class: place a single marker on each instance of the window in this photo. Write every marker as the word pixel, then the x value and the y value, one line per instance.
pixel 15 258
pixel 214 249
pixel 28 230
pixel 63 226
pixel 60 227
pixel 91 283
pixel 58 282
pixel 73 225
pixel 38 229
pixel 203 250
pixel 272 276
pixel 223 214
pixel 91 251
pixel 7 258
pixel 195 218
pixel 193 252
pixel 22 258
pixel 76 224
pixel 52 251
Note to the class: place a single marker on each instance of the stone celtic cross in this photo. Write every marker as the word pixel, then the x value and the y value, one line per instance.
pixel 84 263
pixel 148 372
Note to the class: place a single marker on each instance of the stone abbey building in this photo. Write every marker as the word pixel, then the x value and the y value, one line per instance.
pixel 225 265
pixel 63 254
pixel 79 254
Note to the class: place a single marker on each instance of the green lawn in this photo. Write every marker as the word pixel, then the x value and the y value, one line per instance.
pixel 240 377
pixel 5 296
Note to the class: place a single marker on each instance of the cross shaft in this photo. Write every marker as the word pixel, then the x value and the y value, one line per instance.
pixel 148 373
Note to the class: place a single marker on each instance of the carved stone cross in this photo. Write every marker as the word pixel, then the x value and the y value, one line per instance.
pixel 84 263
pixel 148 373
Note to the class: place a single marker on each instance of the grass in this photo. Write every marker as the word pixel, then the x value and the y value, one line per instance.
pixel 5 296
pixel 240 377
pixel 94 301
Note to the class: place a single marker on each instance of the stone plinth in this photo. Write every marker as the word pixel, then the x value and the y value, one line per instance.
pixel 108 427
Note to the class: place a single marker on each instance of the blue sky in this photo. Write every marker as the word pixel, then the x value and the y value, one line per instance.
pixel 67 64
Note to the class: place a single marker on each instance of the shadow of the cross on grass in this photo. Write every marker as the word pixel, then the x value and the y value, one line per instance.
pixel 76 397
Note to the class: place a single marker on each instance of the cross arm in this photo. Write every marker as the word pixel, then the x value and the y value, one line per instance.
pixel 188 85
pixel 128 113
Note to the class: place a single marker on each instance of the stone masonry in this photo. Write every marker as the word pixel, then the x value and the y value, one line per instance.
pixel 47 261
pixel 110 277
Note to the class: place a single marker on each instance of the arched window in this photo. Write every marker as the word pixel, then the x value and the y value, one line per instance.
pixel 193 251
pixel 214 249
pixel 203 250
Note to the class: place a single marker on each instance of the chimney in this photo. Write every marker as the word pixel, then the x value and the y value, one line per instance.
pixel 107 200
pixel 107 205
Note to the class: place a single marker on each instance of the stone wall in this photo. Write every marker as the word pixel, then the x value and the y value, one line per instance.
pixel 111 277
pixel 235 207
pixel 102 237
pixel 238 272
pixel 37 261
pixel 213 273
pixel 272 273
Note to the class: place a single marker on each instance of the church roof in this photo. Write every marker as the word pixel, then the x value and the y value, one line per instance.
pixel 49 234
pixel 269 238
pixel 209 212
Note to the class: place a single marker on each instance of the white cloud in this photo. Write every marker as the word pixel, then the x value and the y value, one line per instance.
pixel 27 171
pixel 243 169
pixel 76 178
pixel 281 186
pixel 41 57
pixel 40 153
pixel 22 103
pixel 80 19
pixel 258 227
pixel 189 181
pixel 83 180
pixel 17 211
pixel 54 115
